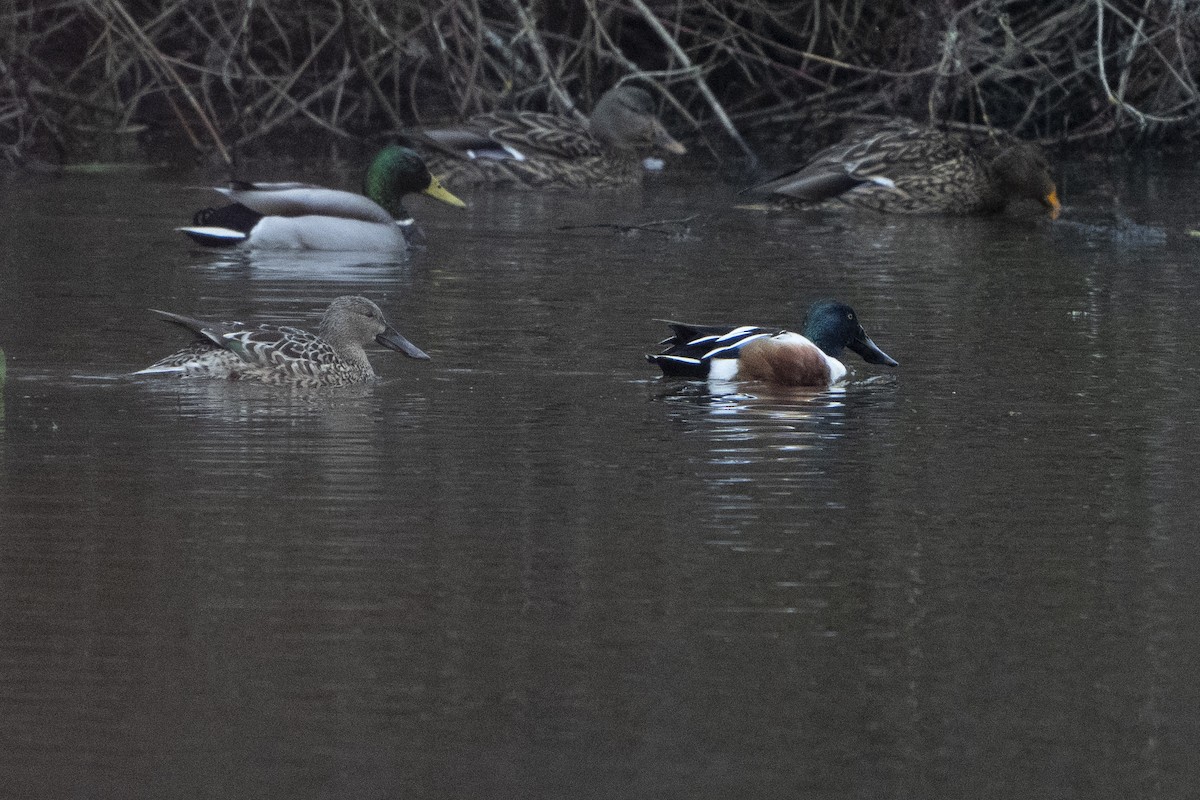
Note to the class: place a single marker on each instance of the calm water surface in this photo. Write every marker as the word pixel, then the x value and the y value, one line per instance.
pixel 532 568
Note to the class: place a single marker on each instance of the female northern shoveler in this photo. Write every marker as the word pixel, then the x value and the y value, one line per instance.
pixel 905 168
pixel 300 216
pixel 282 355
pixel 725 352
pixel 523 148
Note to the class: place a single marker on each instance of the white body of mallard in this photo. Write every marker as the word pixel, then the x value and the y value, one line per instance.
pixel 301 216
pixel 304 217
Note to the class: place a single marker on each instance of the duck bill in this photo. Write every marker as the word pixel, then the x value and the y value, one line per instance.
pixel 664 141
pixel 392 340
pixel 1050 201
pixel 870 351
pixel 439 192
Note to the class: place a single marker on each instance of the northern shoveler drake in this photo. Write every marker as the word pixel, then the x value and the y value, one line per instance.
pixel 906 168
pixel 282 355
pixel 772 355
pixel 300 216
pixel 528 149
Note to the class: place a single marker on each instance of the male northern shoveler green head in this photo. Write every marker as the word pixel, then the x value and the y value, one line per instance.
pixel 300 216
pixel 726 352
pixel 282 355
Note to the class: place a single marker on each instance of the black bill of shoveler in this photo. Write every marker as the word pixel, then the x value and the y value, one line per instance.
pixel 394 340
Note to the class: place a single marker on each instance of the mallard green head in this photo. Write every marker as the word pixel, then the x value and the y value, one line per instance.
pixel 832 326
pixel 1024 172
pixel 398 171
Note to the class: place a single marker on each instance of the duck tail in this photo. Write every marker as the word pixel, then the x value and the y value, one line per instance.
pixel 223 226
pixel 205 331
pixel 214 237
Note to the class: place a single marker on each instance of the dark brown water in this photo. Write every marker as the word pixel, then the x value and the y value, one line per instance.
pixel 531 568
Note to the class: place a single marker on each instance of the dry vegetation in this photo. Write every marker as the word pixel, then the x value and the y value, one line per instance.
pixel 230 74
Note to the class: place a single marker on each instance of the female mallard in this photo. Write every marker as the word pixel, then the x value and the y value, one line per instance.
pixel 282 355
pixel 909 169
pixel 772 355
pixel 524 148
pixel 300 216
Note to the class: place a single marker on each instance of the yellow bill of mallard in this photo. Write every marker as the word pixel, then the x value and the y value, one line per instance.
pixel 439 192
pixel 1051 202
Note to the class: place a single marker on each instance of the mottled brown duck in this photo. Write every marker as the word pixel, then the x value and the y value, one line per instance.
pixel 904 168
pixel 285 356
pixel 537 150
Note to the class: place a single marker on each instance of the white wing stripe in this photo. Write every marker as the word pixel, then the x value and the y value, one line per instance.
pixel 733 348
pixel 736 332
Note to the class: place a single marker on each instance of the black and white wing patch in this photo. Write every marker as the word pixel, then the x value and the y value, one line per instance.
pixel 692 349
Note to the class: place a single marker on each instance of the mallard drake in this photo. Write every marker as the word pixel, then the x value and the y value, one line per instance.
pixel 524 148
pixel 772 355
pixel 300 216
pixel 906 168
pixel 282 355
